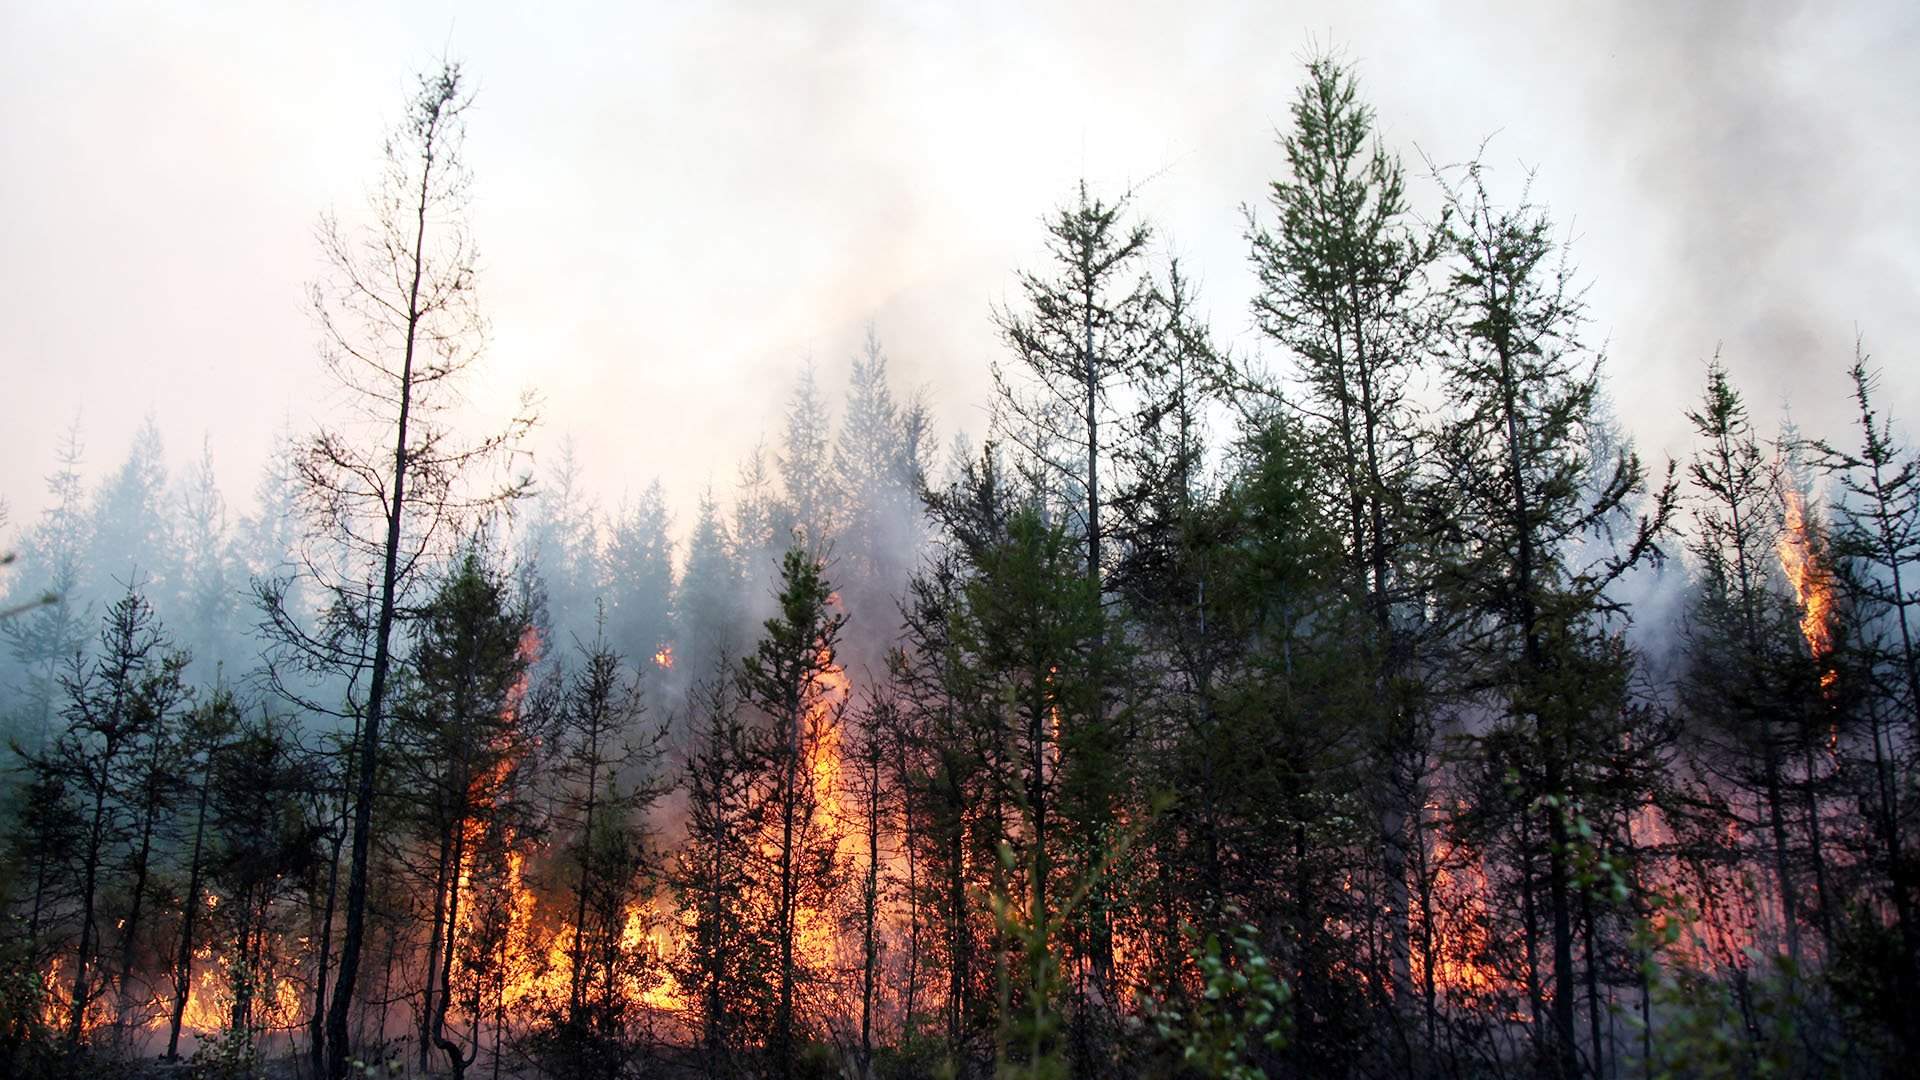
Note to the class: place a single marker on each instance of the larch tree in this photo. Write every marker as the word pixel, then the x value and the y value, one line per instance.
pixel 1079 341
pixel 390 487
pixel 1342 275
pixel 1528 495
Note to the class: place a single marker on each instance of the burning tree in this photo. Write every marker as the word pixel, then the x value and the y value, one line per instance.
pixel 462 742
pixel 792 679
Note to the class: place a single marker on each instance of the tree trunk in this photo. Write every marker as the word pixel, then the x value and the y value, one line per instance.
pixel 190 910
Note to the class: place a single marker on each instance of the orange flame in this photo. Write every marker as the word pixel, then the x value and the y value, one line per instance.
pixel 1812 591
pixel 663 657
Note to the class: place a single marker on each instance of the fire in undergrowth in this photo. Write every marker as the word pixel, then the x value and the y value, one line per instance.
pixel 1812 585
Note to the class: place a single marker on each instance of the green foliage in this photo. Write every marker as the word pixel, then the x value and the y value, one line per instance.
pixel 1240 1009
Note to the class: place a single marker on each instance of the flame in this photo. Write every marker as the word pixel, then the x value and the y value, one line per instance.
pixel 663 657
pixel 1812 591
pixel 816 930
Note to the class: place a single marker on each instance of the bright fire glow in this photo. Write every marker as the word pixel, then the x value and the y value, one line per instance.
pixel 1812 590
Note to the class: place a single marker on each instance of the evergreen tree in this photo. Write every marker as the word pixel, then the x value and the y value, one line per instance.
pixel 562 546
pixel 462 741
pixel 131 538
pixel 812 490
pixel 640 582
pixel 708 606
pixel 790 679
pixel 205 596
pixel 49 593
pixel 729 960
pixel 401 325
pixel 1742 638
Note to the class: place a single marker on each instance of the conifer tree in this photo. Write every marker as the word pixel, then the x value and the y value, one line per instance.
pixel 788 678
pixel 639 578
pixel 400 326
pixel 1527 495
pixel 1342 281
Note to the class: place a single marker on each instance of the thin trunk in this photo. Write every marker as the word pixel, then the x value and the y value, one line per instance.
pixel 1816 851
pixel 76 1021
pixel 190 911
pixel 130 929
pixel 577 953
pixel 435 937
pixel 783 1010
pixel 338 1050
pixel 1777 826
pixel 316 1024
pixel 438 1014
pixel 870 913
pixel 1592 953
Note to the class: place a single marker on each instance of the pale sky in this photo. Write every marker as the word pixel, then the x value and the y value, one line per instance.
pixel 679 203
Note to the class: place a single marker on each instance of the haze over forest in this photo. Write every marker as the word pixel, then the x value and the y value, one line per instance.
pixel 898 542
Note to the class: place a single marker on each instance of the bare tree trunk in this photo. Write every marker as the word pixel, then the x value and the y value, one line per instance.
pixel 190 911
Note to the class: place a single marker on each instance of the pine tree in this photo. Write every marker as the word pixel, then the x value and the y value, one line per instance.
pixel 728 962
pixel 606 771
pixel 1741 634
pixel 401 325
pixel 131 538
pixel 461 741
pixel 562 546
pixel 206 594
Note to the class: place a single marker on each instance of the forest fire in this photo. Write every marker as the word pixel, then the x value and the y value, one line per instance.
pixel 1801 559
pixel 1343 718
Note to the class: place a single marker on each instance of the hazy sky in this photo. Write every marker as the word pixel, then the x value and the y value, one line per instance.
pixel 678 203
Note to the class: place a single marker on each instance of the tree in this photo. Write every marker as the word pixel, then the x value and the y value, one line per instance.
pixel 399 326
pixel 562 545
pixel 1529 496
pixel 729 956
pixel 48 592
pixel 1742 638
pixel 206 732
pixel 1341 288
pixel 1082 339
pixel 131 536
pixel 639 584
pixel 813 491
pixel 878 461
pixel 1875 542
pixel 790 678
pixel 205 594
pixel 461 743
pixel 607 771
pixel 114 708
pixel 708 606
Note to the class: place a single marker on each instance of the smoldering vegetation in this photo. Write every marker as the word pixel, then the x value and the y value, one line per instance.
pixel 1367 707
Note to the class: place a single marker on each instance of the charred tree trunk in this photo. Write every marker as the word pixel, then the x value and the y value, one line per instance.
pixel 190 911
